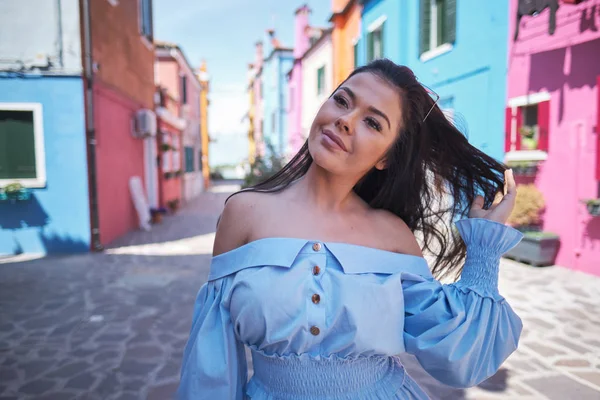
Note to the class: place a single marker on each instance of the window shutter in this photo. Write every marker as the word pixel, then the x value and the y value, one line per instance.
pixel 382 41
pixel 450 31
pixel 369 47
pixel 424 25
pixel 543 125
pixel 17 145
pixel 519 125
pixel 507 129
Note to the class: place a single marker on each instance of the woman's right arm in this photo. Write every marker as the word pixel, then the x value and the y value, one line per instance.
pixel 214 361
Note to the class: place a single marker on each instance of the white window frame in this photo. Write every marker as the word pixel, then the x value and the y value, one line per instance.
pixel 38 139
pixel 514 103
pixel 373 26
pixel 435 49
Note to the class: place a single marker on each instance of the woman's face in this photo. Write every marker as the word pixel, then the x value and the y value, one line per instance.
pixel 356 126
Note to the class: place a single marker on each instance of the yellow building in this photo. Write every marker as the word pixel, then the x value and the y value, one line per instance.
pixel 204 103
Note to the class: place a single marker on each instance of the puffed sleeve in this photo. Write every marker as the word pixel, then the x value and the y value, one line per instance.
pixel 461 333
pixel 214 361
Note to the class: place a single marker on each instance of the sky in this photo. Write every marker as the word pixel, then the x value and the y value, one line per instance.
pixel 223 32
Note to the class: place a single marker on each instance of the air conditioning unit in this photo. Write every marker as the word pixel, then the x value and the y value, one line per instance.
pixel 144 123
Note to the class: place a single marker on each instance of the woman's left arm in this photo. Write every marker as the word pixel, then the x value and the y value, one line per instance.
pixel 461 333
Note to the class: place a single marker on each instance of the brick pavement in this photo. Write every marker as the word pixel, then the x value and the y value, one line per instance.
pixel 113 325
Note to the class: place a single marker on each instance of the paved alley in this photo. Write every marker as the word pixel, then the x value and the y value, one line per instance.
pixel 112 326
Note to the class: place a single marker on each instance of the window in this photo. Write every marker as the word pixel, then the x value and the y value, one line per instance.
pixel 22 157
pixel 184 98
pixel 437 25
pixel 273 122
pixel 356 54
pixel 146 18
pixel 167 154
pixel 375 43
pixel 321 80
pixel 189 159
pixel 527 123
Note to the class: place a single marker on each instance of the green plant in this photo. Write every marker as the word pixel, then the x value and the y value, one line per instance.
pixel 13 188
pixel 166 147
pixel 264 168
pixel 527 132
pixel 591 202
pixel 178 172
pixel 529 206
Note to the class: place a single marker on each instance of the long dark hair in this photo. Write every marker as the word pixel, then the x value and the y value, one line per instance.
pixel 430 161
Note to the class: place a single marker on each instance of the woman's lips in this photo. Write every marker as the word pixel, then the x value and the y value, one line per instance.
pixel 334 139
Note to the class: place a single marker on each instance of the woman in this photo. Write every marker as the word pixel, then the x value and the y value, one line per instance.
pixel 318 270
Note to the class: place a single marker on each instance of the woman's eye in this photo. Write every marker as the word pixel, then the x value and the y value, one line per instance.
pixel 340 100
pixel 373 124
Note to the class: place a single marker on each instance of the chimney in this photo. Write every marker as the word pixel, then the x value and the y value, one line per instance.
pixel 301 38
pixel 259 55
pixel 274 42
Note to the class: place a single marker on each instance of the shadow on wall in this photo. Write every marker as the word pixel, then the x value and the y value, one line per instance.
pixel 547 70
pixel 30 214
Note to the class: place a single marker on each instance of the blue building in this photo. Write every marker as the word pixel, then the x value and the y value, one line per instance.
pixel 458 49
pixel 42 129
pixel 275 94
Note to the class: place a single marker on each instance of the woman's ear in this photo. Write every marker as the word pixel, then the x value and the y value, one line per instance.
pixel 381 164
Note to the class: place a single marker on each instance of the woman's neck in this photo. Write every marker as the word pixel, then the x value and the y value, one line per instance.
pixel 324 190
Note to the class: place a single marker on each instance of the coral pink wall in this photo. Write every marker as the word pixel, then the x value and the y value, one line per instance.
pixel 566 65
pixel 119 157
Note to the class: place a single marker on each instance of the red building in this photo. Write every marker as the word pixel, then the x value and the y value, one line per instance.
pixel 123 84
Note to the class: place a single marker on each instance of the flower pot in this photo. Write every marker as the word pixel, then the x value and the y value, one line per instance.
pixel 593 209
pixel 157 218
pixel 537 249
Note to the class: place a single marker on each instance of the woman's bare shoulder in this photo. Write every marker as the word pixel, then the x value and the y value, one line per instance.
pixel 240 213
pixel 393 230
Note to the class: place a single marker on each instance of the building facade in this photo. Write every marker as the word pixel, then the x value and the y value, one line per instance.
pixel 346 20
pixel 69 90
pixel 275 96
pixel 180 141
pixel 457 49
pixel 317 78
pixel 553 92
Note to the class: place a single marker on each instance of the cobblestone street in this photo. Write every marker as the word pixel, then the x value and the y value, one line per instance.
pixel 113 325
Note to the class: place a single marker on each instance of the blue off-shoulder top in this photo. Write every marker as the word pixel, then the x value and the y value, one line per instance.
pixel 327 320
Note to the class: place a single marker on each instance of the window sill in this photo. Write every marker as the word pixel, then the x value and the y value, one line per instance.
pixel 26 183
pixel 147 42
pixel 526 155
pixel 438 51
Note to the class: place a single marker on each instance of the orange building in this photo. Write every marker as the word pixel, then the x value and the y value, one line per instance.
pixel 345 35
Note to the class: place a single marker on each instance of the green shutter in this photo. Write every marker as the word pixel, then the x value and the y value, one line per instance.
pixel 17 145
pixel 356 55
pixel 382 41
pixel 189 159
pixel 369 47
pixel 450 23
pixel 424 25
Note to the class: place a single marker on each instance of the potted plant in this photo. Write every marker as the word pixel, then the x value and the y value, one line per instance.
pixel 178 173
pixel 157 214
pixel 528 140
pixel 524 168
pixel 538 247
pixel 168 175
pixel 14 192
pixel 165 147
pixel 593 206
pixel 173 205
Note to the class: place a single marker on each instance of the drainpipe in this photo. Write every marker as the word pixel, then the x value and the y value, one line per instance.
pixel 60 34
pixel 89 126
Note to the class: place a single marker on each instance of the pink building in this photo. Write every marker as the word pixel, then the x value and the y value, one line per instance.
pixel 553 119
pixel 304 37
pixel 179 141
